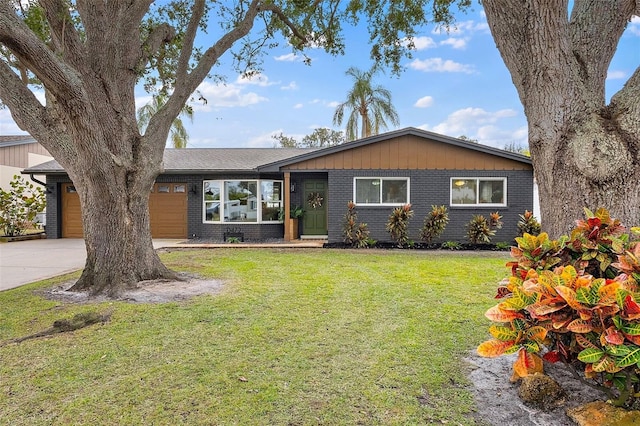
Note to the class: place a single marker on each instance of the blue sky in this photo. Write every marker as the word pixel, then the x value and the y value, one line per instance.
pixel 455 84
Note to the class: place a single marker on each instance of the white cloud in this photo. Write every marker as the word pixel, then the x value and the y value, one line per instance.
pixel 225 96
pixel 422 42
pixel 476 123
pixel 291 86
pixel 263 141
pixel 7 125
pixel 289 57
pixel 424 102
pixel 463 27
pixel 634 25
pixel 142 101
pixel 456 43
pixel 499 137
pixel 616 75
pixel 257 79
pixel 298 106
pixel 440 65
pixel 333 104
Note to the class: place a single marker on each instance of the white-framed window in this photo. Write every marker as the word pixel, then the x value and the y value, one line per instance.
pixel 387 191
pixel 488 192
pixel 242 201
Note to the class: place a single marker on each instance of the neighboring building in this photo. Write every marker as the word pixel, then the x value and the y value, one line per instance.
pixel 18 153
pixel 207 193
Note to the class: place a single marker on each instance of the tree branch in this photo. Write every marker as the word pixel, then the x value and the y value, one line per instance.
pixel 64 36
pixel 626 102
pixel 161 34
pixel 25 108
pixel 595 29
pixel 190 35
pixel 280 14
pixel 57 77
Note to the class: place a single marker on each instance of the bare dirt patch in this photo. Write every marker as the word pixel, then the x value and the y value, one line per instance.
pixel 498 401
pixel 152 291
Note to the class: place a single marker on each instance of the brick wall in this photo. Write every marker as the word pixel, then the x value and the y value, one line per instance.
pixel 428 188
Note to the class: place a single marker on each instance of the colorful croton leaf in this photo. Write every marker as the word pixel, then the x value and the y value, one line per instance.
pixel 575 300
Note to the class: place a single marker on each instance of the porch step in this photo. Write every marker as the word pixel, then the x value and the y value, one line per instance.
pixel 314 237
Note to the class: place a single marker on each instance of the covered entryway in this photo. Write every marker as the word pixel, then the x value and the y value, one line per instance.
pixel 167 211
pixel 314 221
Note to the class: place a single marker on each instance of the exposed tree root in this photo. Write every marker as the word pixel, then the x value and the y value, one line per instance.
pixel 78 321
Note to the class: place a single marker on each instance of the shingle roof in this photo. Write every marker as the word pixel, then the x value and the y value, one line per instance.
pixel 205 159
pixel 199 160
pixel 16 140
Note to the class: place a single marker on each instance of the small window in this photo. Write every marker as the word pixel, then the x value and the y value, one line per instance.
pixel 71 189
pixel 163 188
pixel 479 192
pixel 179 188
pixel 381 191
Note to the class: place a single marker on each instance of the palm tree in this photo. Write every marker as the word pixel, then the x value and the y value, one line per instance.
pixel 178 133
pixel 372 104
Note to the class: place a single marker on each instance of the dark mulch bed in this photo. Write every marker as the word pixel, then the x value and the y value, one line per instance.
pixel 389 245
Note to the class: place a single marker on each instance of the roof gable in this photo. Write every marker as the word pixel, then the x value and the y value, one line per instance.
pixel 406 149
pixel 6 141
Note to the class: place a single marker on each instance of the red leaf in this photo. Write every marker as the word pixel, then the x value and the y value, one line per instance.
pixel 594 222
pixel 633 339
pixel 613 336
pixel 502 292
pixel 552 357
pixel 631 308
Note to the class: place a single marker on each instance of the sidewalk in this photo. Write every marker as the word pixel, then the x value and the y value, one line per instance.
pixel 25 262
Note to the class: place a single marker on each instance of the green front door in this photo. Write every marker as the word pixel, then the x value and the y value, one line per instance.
pixel 314 221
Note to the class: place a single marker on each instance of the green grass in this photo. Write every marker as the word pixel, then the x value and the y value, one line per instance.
pixel 301 337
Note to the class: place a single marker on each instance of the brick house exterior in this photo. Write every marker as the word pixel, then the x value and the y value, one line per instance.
pixel 416 166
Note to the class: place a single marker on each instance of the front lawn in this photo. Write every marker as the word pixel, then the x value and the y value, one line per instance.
pixel 296 337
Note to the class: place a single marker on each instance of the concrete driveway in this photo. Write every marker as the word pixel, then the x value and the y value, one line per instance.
pixel 23 262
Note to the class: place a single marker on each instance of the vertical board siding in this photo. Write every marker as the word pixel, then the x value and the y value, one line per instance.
pixel 409 153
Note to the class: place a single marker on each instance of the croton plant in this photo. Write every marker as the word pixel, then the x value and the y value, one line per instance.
pixel 574 300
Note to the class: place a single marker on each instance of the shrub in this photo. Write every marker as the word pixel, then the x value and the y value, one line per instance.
pixel 19 206
pixel 502 245
pixel 398 224
pixel 355 234
pixel 577 299
pixel 435 223
pixel 451 245
pixel 528 224
pixel 481 229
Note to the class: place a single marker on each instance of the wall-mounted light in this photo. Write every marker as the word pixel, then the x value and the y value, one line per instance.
pixel 292 187
pixel 194 189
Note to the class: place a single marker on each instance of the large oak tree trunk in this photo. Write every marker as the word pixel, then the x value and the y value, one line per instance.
pixel 116 231
pixel 585 153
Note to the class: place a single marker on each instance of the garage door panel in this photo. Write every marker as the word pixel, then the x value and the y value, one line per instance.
pixel 167 211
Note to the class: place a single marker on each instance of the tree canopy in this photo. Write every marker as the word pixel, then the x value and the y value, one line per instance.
pixel 319 138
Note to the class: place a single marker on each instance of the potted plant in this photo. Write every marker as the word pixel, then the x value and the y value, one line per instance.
pixel 295 213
